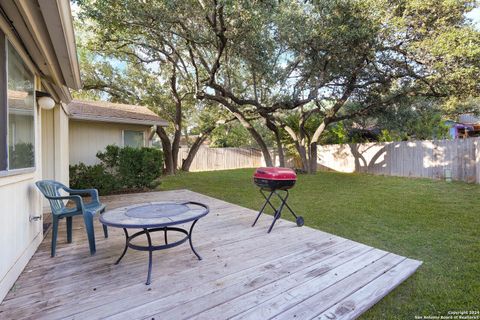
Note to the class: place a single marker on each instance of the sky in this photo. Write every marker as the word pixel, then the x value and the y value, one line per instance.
pixel 474 15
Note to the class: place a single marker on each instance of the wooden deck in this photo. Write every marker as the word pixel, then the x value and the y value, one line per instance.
pixel 292 273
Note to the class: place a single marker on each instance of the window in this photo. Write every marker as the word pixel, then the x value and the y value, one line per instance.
pixel 17 110
pixel 133 139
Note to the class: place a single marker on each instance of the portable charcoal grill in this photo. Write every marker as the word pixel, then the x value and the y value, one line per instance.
pixel 274 180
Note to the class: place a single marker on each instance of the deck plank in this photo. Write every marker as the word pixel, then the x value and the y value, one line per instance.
pixel 360 301
pixel 246 273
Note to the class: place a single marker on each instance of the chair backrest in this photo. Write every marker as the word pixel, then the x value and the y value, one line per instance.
pixel 51 188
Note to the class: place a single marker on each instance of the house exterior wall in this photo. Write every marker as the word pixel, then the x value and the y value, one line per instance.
pixel 19 201
pixel 54 153
pixel 48 144
pixel 61 127
pixel 87 138
pixel 41 34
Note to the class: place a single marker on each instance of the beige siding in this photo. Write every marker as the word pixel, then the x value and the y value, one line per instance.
pixel 54 149
pixel 87 138
pixel 19 237
pixel 48 144
pixel 62 147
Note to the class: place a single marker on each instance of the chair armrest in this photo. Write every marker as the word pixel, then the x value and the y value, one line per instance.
pixel 92 192
pixel 75 198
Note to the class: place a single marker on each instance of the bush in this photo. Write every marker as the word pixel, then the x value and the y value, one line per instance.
pixel 86 177
pixel 135 168
pixel 121 169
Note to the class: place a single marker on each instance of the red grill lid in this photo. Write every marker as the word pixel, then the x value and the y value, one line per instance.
pixel 270 173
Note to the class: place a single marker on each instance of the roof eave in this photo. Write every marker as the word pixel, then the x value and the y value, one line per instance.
pixel 45 31
pixel 57 16
pixel 160 123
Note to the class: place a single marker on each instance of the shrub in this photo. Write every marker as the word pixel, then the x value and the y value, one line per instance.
pixel 135 168
pixel 86 177
pixel 121 169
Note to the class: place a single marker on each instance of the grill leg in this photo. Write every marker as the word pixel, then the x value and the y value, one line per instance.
pixel 288 207
pixel 267 201
pixel 284 202
pixel 278 213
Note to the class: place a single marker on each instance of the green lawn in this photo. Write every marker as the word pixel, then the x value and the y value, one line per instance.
pixel 432 221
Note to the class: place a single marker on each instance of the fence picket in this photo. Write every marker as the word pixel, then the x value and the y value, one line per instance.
pixel 427 159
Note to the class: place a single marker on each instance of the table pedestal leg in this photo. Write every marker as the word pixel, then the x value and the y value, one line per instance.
pixel 190 240
pixel 150 247
pixel 126 246
pixel 150 253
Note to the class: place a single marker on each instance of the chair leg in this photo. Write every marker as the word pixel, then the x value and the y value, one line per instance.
pixel 88 219
pixel 54 234
pixel 69 229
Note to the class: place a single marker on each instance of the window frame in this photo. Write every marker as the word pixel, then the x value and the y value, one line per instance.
pixel 3 104
pixel 4 116
pixel 138 131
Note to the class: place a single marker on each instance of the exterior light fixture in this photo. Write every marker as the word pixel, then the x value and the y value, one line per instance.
pixel 45 100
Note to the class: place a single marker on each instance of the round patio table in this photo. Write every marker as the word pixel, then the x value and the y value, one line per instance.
pixel 154 217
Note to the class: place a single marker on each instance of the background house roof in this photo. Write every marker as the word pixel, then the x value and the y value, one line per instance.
pixel 113 112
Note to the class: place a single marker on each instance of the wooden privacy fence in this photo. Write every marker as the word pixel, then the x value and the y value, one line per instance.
pixel 428 159
pixel 208 159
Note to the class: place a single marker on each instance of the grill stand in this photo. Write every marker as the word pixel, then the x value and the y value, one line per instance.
pixel 278 212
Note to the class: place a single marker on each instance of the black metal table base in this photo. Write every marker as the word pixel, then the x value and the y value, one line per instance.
pixel 278 212
pixel 150 248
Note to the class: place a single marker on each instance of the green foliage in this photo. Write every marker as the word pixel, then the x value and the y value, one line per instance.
pixel 121 169
pixel 413 119
pixel 110 157
pixel 336 134
pixel 235 135
pixel 230 136
pixel 351 58
pixel 385 136
pixel 96 176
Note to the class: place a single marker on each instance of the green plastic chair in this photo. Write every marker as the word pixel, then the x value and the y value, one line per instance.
pixel 51 190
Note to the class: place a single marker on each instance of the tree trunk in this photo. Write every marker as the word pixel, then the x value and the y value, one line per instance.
pixel 167 150
pixel 303 156
pixel 258 138
pixel 278 139
pixel 176 148
pixel 194 149
pixel 313 157
pixel 178 117
pixel 281 155
pixel 300 148
pixel 238 114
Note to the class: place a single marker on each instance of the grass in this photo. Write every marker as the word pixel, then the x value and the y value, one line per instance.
pixel 432 221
